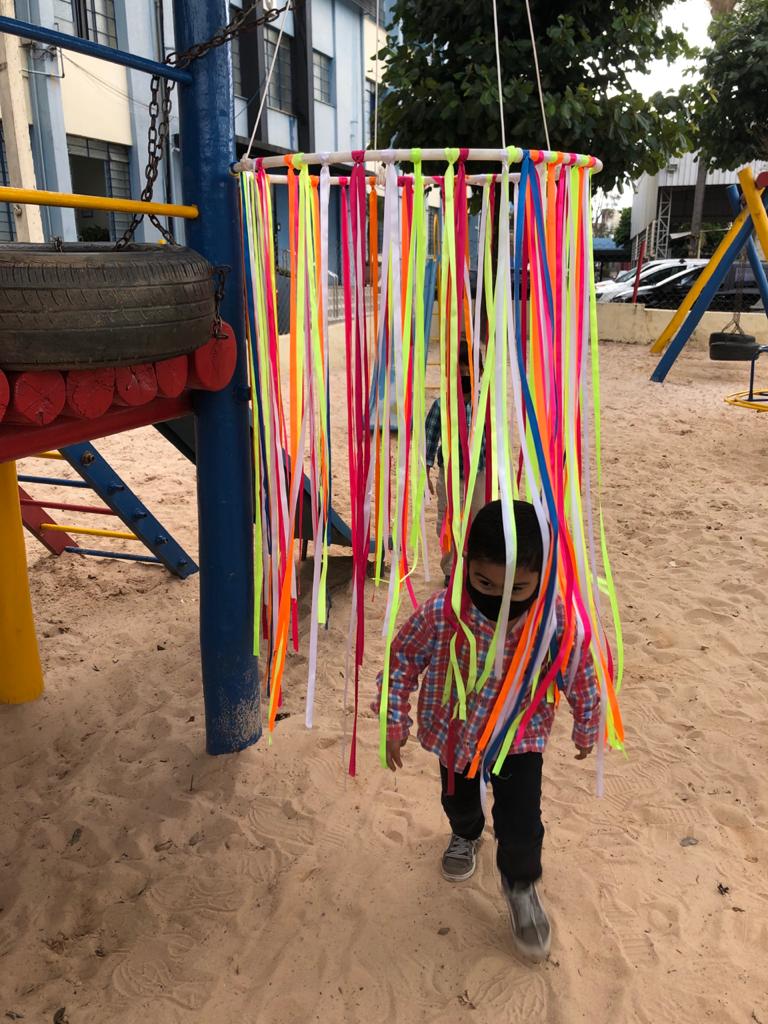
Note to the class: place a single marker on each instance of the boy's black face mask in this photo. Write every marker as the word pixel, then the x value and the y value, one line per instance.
pixel 489 605
pixel 466 385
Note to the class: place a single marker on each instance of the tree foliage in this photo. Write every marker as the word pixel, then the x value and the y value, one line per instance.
pixel 441 77
pixel 622 233
pixel 732 114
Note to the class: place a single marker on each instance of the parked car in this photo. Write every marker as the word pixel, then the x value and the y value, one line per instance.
pixel 665 286
pixel 739 289
pixel 609 291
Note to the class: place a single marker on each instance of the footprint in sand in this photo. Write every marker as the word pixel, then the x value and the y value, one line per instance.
pixel 199 893
pixel 638 784
pixel 635 945
pixel 141 977
pixel 267 824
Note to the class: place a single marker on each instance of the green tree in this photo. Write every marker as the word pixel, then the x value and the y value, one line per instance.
pixel 441 77
pixel 732 114
pixel 621 235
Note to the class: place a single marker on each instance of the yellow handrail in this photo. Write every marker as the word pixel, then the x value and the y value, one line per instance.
pixel 89 531
pixel 33 196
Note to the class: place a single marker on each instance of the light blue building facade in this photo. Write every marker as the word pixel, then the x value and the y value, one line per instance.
pixel 89 121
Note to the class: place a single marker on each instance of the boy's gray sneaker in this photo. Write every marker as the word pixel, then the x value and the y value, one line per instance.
pixel 460 859
pixel 531 930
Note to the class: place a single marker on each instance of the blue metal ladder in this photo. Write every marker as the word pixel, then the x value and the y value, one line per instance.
pixel 97 475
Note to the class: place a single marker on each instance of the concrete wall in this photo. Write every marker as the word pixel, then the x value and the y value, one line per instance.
pixel 372 42
pixel 322 27
pixel 95 98
pixel 348 66
pixel 636 325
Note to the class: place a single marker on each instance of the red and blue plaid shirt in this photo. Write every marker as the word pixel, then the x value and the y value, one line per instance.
pixel 423 646
pixel 434 438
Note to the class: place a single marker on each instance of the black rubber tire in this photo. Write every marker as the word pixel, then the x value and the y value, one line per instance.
pixel 732 348
pixel 89 306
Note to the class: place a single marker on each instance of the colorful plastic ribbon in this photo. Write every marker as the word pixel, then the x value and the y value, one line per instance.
pixel 531 329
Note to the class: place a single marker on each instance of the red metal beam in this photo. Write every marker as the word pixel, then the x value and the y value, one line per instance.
pixel 18 442
pixel 33 518
pixel 62 506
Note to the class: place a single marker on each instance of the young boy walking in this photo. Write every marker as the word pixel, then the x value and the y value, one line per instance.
pixel 422 648
pixel 434 453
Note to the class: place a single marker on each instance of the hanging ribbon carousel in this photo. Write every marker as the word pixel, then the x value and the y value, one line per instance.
pixel 531 328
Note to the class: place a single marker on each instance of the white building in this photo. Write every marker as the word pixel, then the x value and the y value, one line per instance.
pixel 89 118
pixel 662 208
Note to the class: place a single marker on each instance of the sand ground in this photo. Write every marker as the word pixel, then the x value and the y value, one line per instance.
pixel 141 880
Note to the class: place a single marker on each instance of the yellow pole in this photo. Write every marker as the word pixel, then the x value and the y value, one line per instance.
pixel 89 531
pixel 21 677
pixel 37 197
pixel 755 207
pixel 687 304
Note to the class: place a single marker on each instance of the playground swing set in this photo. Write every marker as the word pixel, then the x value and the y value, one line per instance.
pixel 750 218
pixel 535 370
pixel 55 412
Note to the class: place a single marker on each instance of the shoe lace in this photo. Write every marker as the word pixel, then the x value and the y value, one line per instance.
pixel 530 910
pixel 459 847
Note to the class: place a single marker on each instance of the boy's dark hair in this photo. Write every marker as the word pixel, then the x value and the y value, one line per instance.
pixel 486 536
pixel 464 356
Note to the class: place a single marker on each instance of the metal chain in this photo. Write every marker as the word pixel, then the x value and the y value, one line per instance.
pixel 160 108
pixel 220 274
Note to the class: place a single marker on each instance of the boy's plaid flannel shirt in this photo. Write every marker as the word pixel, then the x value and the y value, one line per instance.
pixel 434 438
pixel 423 645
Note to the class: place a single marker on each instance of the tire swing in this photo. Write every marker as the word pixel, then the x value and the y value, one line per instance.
pixel 79 305
pixel 84 327
pixel 733 344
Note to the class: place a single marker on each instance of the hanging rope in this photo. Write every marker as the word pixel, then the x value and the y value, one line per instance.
pixel 376 86
pixel 498 76
pixel 538 73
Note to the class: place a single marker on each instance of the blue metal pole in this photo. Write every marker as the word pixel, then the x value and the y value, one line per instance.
pixel 27 30
pixel 701 305
pixel 224 491
pixel 119 555
pixel 734 198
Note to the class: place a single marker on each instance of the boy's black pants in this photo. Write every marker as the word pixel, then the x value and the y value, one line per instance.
pixel 516 814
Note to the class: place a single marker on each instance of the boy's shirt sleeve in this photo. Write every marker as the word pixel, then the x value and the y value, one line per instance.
pixel 432 429
pixel 584 697
pixel 411 652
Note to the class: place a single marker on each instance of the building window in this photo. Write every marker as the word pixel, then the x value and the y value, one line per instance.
pixel 237 73
pixel 99 169
pixel 280 95
pixel 322 69
pixel 7 223
pixel 90 19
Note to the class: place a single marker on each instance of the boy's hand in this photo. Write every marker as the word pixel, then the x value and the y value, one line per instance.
pixel 394 757
pixel 583 752
pixel 430 485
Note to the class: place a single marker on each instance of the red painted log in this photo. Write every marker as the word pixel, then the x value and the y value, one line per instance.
pixel 5 395
pixel 135 385
pixel 37 397
pixel 172 376
pixel 212 365
pixel 89 393
pixel 762 179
